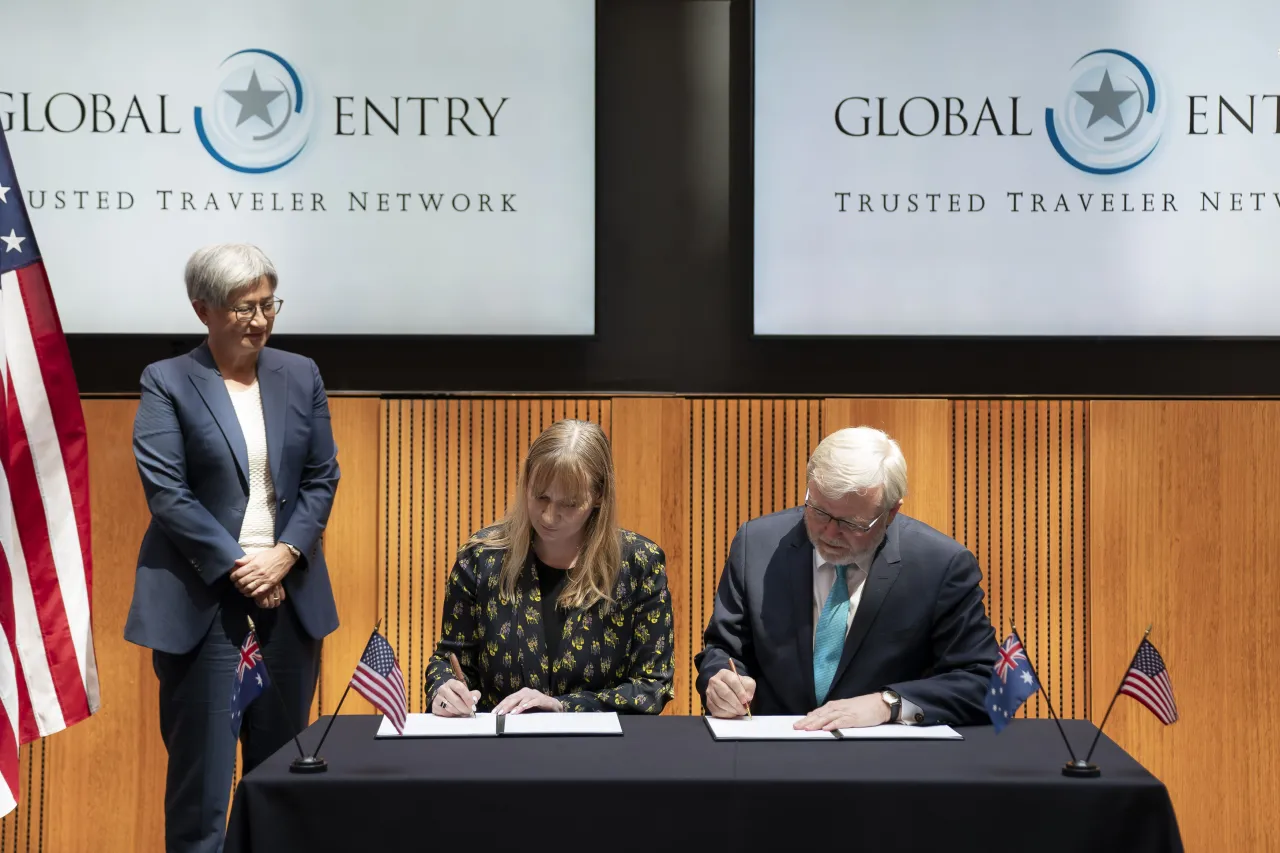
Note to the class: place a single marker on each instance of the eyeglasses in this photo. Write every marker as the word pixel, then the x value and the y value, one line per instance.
pixel 843 523
pixel 270 308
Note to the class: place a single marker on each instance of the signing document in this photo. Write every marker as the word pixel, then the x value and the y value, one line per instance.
pixel 494 725
pixel 783 728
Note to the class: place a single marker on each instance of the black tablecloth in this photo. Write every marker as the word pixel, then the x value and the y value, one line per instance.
pixel 666 785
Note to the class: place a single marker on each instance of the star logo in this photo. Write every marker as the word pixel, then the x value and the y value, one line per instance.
pixel 13 243
pixel 1106 101
pixel 259 117
pixel 1111 116
pixel 255 102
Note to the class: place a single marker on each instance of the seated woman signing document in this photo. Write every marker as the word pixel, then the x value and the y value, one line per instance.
pixel 555 608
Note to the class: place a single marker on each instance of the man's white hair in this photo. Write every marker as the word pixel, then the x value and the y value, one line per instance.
pixel 859 459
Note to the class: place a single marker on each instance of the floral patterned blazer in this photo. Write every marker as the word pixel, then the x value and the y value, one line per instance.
pixel 617 656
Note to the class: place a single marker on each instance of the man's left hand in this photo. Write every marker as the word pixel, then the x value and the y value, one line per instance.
pixel 855 713
pixel 257 573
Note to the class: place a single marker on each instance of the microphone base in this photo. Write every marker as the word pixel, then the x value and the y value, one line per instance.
pixel 310 764
pixel 1081 769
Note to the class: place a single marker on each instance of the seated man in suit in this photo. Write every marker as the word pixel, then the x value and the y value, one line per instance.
pixel 844 610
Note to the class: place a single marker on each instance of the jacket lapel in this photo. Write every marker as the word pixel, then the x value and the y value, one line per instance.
pixel 274 386
pixel 211 388
pixel 883 574
pixel 800 570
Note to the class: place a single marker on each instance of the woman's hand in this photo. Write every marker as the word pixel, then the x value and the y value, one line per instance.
pixel 270 598
pixel 255 574
pixel 453 699
pixel 528 699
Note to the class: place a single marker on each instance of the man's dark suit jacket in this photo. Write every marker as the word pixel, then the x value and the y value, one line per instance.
pixel 194 466
pixel 921 628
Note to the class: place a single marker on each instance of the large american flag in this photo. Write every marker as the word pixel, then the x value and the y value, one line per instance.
pixel 377 678
pixel 48 677
pixel 1148 681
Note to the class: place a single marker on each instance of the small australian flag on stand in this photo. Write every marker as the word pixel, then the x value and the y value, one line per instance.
pixel 1012 682
pixel 251 679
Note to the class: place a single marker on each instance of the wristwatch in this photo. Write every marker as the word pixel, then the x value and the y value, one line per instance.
pixel 292 550
pixel 894 701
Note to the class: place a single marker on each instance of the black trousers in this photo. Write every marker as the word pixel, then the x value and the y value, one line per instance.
pixel 195 715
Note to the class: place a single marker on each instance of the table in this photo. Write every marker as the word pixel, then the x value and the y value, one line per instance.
pixel 665 785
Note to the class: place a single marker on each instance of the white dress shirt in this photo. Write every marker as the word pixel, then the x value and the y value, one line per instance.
pixel 824 577
pixel 258 532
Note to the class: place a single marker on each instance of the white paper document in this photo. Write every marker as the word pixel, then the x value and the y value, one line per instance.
pixel 429 725
pixel 781 728
pixel 591 723
pixel 487 725
pixel 762 728
pixel 896 731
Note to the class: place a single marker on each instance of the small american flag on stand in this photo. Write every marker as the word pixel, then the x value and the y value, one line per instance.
pixel 378 679
pixel 1148 681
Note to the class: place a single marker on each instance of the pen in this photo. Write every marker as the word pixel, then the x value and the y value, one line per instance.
pixel 457 673
pixel 735 672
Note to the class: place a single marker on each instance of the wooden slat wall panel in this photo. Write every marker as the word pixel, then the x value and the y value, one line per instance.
pixel 101 782
pixel 922 429
pixel 1188 531
pixel 447 468
pixel 651 446
pixel 26 828
pixel 1019 503
pixel 350 546
pixel 748 458
pixel 1185 536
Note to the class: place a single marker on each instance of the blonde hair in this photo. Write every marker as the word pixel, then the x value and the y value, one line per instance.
pixel 574 455
pixel 859 459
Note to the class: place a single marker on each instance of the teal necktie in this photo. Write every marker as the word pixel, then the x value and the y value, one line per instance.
pixel 828 643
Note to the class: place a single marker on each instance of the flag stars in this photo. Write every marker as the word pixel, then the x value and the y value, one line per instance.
pixel 4 192
pixel 13 243
pixel 1026 678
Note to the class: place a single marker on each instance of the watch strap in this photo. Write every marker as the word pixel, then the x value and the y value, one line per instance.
pixel 895 705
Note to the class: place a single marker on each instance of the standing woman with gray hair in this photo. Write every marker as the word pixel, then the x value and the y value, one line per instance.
pixel 235 450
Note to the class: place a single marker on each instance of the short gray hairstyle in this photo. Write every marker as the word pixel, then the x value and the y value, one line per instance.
pixel 859 459
pixel 215 272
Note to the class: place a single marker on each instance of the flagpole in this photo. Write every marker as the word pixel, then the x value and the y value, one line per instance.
pixel 301 755
pixel 1107 715
pixel 344 695
pixel 1075 767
